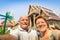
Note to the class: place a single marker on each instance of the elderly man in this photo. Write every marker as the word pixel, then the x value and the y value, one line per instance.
pixel 23 32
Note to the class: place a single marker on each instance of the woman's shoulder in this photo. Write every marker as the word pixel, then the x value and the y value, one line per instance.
pixel 55 31
pixel 55 34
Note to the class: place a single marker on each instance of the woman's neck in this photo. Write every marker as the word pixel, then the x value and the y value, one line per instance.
pixel 44 33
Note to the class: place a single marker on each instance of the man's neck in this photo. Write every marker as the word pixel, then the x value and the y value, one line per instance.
pixel 26 29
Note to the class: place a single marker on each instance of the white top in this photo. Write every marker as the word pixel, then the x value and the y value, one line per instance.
pixel 23 35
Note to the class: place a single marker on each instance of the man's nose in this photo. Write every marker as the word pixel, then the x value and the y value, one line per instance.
pixel 25 21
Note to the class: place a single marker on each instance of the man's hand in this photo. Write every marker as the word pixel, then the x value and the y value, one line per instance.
pixel 7 37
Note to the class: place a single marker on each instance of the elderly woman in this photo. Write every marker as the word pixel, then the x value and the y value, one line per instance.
pixel 46 34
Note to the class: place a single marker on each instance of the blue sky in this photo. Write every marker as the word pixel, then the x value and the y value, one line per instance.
pixel 20 7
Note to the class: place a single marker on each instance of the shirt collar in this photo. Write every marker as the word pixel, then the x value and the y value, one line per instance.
pixel 29 30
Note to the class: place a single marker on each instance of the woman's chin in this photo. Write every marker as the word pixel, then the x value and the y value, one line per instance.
pixel 42 30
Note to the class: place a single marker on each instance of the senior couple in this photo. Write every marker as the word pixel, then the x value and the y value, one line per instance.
pixel 23 32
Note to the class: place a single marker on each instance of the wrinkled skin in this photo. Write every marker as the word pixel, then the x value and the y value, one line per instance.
pixel 24 22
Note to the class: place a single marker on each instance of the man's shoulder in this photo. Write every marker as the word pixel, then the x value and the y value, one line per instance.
pixel 33 30
pixel 14 31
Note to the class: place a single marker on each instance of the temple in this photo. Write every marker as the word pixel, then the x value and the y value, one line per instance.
pixel 52 18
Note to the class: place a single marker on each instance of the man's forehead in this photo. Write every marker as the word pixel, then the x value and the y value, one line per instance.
pixel 24 16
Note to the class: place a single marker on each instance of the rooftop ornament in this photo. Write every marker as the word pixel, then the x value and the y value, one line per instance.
pixel 6 17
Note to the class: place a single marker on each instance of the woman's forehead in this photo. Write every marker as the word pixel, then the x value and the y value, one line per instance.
pixel 40 19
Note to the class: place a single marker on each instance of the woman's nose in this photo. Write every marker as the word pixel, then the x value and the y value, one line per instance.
pixel 40 23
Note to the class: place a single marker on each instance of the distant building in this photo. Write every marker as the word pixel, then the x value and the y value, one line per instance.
pixel 35 10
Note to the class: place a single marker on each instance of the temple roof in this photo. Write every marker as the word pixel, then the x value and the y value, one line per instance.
pixel 36 9
pixel 54 18
pixel 50 12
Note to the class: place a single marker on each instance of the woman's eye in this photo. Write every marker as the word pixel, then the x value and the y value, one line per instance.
pixel 38 23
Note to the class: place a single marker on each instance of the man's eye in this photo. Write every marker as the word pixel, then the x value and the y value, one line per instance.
pixel 22 20
pixel 26 20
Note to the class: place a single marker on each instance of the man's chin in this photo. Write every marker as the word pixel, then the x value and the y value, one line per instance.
pixel 24 26
pixel 42 30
